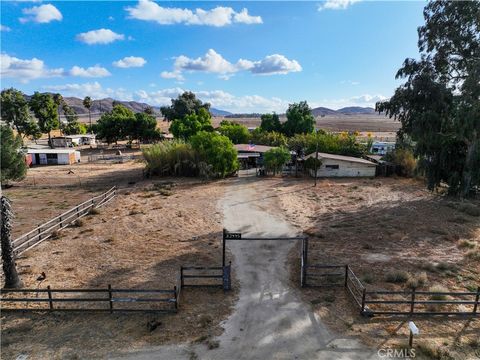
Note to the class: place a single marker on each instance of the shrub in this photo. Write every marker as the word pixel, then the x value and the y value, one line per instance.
pixel 217 152
pixel 417 280
pixel 473 255
pixel 406 160
pixel 93 211
pixel 398 276
pixel 237 133
pixel 275 159
pixel 438 289
pixel 466 244
pixel 171 158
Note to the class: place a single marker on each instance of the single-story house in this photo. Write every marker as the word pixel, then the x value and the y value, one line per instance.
pixel 342 166
pixel 53 156
pixel 73 140
pixel 382 147
pixel 250 155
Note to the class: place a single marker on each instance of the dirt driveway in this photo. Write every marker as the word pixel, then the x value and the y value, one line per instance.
pixel 270 321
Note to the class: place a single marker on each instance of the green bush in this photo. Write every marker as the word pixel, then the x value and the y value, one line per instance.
pixel 271 138
pixel 237 133
pixel 217 152
pixel 189 125
pixel 13 166
pixel 398 276
pixel 275 158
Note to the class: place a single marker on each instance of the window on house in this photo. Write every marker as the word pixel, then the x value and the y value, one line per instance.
pixel 331 167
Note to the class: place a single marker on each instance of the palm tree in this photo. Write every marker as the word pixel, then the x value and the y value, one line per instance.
pixel 12 280
pixel 87 102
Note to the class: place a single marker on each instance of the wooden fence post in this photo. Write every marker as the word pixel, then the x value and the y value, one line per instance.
pixel 477 297
pixel 175 296
pixel 110 298
pixel 364 295
pixel 50 302
pixel 181 277
pixel 346 275
pixel 412 305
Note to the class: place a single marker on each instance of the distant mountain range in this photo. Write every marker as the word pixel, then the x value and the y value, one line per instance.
pixel 104 105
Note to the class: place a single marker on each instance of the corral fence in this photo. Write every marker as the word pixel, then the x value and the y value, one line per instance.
pixel 91 300
pixel 206 276
pixel 113 158
pixel 383 302
pixel 44 231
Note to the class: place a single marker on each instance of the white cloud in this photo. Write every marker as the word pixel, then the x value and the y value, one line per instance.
pixel 350 82
pixel 336 4
pixel 26 70
pixel 172 75
pixel 41 14
pixel 100 36
pixel 5 28
pixel 365 100
pixel 219 16
pixel 93 89
pixel 130 61
pixel 92 71
pixel 213 62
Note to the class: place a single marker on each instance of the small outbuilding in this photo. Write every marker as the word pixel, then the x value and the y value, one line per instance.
pixel 73 140
pixel 342 166
pixel 250 155
pixel 53 156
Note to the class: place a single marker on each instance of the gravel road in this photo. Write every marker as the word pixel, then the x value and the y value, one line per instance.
pixel 270 321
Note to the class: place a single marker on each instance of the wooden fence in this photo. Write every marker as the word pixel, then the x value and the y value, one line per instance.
pixel 383 302
pixel 44 231
pixel 206 276
pixel 102 300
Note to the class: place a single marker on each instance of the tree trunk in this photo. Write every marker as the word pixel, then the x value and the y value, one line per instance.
pixel 12 279
pixel 466 183
pixel 50 140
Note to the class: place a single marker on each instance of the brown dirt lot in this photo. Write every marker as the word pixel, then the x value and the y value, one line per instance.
pixel 383 225
pixel 139 240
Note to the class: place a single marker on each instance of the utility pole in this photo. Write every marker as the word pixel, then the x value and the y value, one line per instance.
pixel 316 156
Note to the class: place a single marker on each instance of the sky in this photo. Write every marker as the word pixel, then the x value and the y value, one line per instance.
pixel 239 56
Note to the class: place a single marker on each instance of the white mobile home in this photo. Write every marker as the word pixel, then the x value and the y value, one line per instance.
pixel 54 156
pixel 342 166
pixel 73 140
pixel 382 147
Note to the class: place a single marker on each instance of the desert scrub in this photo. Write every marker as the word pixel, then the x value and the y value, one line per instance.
pixel 438 289
pixel 397 276
pixel 93 211
pixel 462 244
pixel 417 280
pixel 473 255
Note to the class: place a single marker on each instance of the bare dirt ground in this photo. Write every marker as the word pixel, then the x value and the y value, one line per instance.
pixel 139 240
pixel 382 225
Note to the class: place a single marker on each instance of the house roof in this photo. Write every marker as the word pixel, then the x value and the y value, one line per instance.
pixel 341 158
pixel 253 148
pixel 50 151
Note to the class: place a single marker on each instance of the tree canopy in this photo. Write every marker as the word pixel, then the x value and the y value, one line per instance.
pixel 270 122
pixel 439 103
pixel 299 119
pixel 13 166
pixel 46 111
pixel 237 133
pixel 275 158
pixel 187 126
pixel 186 104
pixel 217 151
pixel 15 112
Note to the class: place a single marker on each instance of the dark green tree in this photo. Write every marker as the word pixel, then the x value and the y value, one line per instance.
pixel 270 122
pixel 46 111
pixel 189 125
pixel 439 104
pixel 217 151
pixel 271 138
pixel 299 119
pixel 144 128
pixel 115 125
pixel 274 159
pixel 15 112
pixel 237 133
pixel 186 104
pixel 13 166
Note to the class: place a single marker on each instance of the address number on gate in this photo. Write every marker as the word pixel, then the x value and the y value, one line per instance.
pixel 233 236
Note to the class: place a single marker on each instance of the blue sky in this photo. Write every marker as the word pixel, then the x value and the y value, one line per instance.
pixel 240 56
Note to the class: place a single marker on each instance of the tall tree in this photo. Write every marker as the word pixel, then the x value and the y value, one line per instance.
pixel 270 122
pixel 13 166
pixel 87 102
pixel 12 280
pixel 236 132
pixel 439 104
pixel 45 110
pixel 114 125
pixel 15 112
pixel 299 119
pixel 187 126
pixel 186 104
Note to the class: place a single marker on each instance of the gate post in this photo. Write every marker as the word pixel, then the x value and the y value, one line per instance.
pixel 227 284
pixel 223 247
